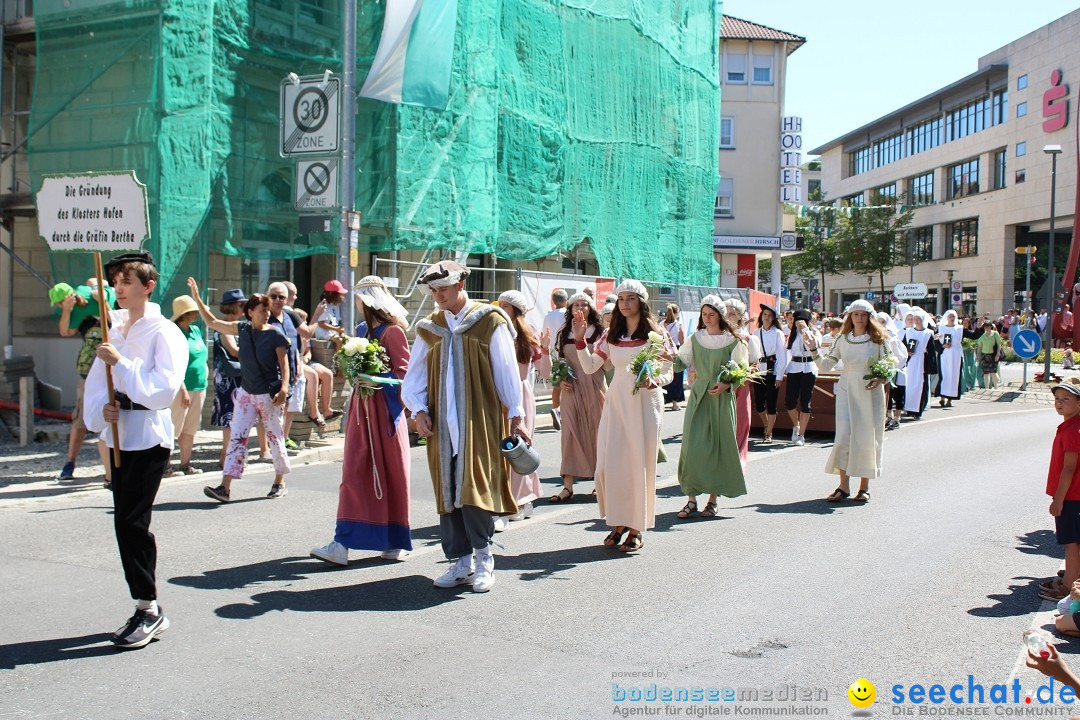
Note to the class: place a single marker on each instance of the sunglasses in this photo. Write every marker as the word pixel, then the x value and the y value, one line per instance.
pixel 278 297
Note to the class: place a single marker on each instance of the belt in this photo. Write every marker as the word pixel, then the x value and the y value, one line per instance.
pixel 802 358
pixel 125 402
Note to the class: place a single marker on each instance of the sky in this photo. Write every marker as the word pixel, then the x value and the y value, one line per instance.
pixel 864 59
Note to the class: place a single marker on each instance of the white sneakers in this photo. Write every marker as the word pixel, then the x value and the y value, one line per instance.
pixel 801 440
pixel 334 552
pixel 795 435
pixel 460 573
pixel 338 554
pixel 477 570
pixel 525 511
pixel 484 579
pixel 501 523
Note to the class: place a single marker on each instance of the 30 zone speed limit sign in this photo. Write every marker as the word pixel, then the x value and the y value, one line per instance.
pixel 310 112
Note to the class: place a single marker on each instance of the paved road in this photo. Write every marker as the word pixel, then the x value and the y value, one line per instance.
pixel 930 582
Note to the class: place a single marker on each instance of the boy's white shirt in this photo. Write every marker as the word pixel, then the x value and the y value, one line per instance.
pixel 151 369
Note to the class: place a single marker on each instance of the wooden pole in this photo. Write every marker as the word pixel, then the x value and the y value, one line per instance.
pixel 103 307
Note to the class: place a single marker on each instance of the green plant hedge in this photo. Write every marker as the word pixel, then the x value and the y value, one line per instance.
pixel 1056 356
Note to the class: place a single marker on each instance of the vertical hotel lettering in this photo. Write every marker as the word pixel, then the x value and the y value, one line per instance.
pixel 790 159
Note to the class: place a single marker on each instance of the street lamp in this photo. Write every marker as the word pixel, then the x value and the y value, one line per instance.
pixel 1053 151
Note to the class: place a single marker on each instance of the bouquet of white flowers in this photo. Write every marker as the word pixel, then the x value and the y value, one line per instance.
pixel 366 365
pixel 883 369
pixel 645 367
pixel 736 374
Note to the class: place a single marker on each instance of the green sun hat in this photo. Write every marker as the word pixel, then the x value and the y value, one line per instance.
pixel 58 292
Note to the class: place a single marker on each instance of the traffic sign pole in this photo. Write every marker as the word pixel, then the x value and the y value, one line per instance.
pixel 348 158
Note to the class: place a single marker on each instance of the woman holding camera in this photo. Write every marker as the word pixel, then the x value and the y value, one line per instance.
pixel 774 350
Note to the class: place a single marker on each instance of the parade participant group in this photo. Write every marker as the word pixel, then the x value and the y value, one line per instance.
pixel 466 386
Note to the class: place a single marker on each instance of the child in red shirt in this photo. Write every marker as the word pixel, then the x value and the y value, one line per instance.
pixel 1063 483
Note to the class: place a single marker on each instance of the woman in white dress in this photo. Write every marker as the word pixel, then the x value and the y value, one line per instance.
pixel 860 404
pixel 951 336
pixel 629 433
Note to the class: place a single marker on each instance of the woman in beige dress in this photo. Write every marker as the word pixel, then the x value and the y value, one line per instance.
pixel 582 400
pixel 629 432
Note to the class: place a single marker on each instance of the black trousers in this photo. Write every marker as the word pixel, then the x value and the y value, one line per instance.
pixel 765 395
pixel 465 529
pixel 134 486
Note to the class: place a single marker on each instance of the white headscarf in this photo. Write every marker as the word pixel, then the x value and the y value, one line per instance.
pixel 714 302
pixel 580 296
pixel 516 298
pixel 945 318
pixel 863 305
pixel 886 322
pixel 903 309
pixel 633 286
pixel 607 309
pixel 372 291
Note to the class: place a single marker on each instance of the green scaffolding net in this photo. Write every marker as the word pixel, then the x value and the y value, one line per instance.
pixel 568 120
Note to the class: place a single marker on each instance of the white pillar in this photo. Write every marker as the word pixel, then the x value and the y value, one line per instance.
pixel 775 279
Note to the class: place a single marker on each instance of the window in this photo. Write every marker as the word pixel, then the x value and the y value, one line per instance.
pixel 999 169
pixel 884 195
pixel 888 150
pixel 763 69
pixel 861 160
pixel 963 178
pixel 736 68
pixel 1001 106
pixel 962 238
pixel 921 189
pixel 1021 82
pixel 923 136
pixel 813 190
pixel 1021 149
pixel 1019 177
pixel 727 132
pixel 968 119
pixel 724 195
pixel 855 200
pixel 1021 109
pixel 921 243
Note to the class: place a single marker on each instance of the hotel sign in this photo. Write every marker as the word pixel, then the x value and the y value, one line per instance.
pixel 790 159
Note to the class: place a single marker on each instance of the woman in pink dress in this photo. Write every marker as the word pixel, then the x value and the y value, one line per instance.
pixel 373 499
pixel 737 318
pixel 582 399
pixel 531 353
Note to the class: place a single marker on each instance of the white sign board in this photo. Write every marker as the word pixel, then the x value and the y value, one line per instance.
pixel 98 212
pixel 310 116
pixel 316 184
pixel 910 291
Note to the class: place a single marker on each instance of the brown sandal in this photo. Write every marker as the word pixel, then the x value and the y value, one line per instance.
pixel 633 542
pixel 709 511
pixel 688 509
pixel 862 496
pixel 837 495
pixel 614 537
pixel 559 497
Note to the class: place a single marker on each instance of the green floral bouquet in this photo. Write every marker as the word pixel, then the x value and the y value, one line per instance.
pixel 560 372
pixel 366 365
pixel 968 344
pixel 883 369
pixel 736 374
pixel 645 366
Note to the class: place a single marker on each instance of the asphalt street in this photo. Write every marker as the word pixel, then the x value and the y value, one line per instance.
pixel 934 580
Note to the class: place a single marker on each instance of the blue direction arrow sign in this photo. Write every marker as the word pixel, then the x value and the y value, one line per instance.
pixel 1027 344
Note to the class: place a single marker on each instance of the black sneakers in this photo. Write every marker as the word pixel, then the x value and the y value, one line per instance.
pixel 140 629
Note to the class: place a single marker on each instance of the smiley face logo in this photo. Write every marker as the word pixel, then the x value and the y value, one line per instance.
pixel 862 693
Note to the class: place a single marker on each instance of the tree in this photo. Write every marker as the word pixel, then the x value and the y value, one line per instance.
pixel 819 254
pixel 873 240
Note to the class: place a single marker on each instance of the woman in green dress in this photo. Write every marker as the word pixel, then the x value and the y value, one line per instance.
pixel 709 462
